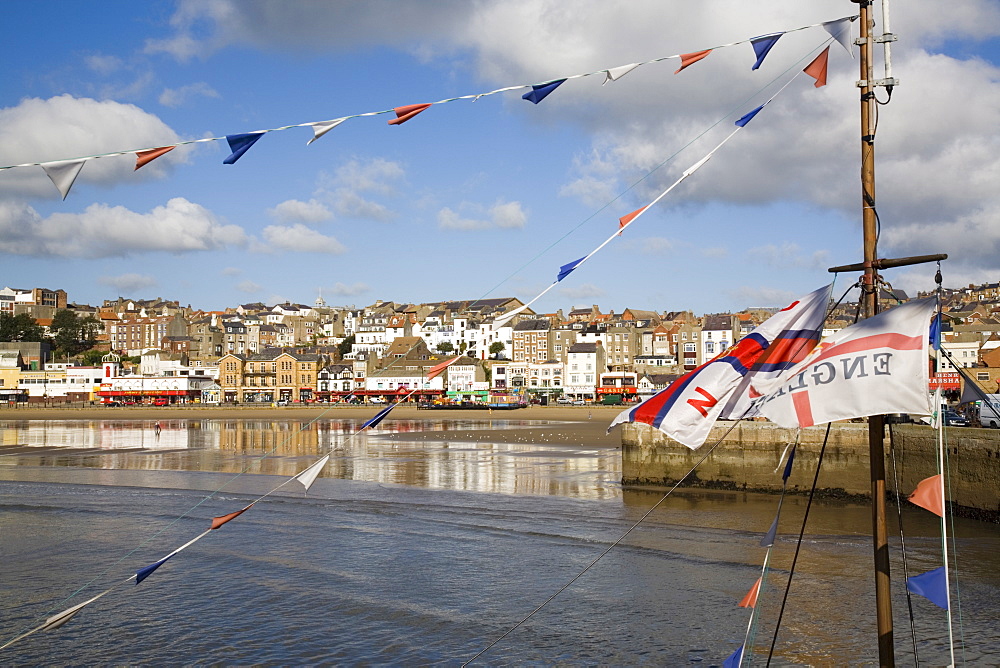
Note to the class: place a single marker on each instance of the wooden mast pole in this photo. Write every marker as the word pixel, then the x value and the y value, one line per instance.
pixel 876 423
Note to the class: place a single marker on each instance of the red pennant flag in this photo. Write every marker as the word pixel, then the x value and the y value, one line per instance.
pixel 692 58
pixel 817 68
pixel 750 600
pixel 404 114
pixel 219 521
pixel 626 219
pixel 146 157
pixel 438 368
pixel 929 495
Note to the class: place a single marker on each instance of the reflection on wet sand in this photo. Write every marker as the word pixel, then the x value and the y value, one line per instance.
pixel 440 454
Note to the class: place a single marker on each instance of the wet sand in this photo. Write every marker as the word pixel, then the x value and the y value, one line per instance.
pixel 570 424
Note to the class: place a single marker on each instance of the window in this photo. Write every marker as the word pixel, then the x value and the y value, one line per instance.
pixel 689 348
pixel 982 375
pixel 709 348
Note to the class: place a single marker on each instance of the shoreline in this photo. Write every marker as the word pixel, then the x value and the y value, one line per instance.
pixel 570 424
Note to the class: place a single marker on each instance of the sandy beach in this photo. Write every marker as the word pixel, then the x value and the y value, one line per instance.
pixel 569 424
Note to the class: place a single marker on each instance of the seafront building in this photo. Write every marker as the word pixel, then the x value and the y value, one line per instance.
pixel 255 353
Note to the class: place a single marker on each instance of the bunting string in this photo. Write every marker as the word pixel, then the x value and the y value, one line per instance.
pixel 538 91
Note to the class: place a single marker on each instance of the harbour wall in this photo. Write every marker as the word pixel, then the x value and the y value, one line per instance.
pixel 748 455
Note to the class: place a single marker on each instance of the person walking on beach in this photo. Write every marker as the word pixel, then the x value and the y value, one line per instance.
pixel 156 428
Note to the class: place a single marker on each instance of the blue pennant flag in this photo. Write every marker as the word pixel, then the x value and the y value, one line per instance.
pixel 539 91
pixel 932 585
pixel 788 465
pixel 567 269
pixel 762 45
pixel 378 417
pixel 747 117
pixel 734 659
pixel 935 339
pixel 146 571
pixel 240 144
pixel 768 539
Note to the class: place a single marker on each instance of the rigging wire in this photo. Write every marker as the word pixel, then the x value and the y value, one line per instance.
pixel 798 543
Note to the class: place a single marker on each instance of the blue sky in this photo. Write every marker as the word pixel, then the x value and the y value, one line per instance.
pixel 485 198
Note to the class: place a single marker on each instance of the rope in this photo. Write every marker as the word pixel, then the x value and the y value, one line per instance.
pixel 902 543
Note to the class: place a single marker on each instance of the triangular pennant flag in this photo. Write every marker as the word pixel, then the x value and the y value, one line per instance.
pixel 568 268
pixel 63 174
pixel 932 585
pixel 616 73
pixel 438 368
pixel 540 91
pixel 146 157
pixel 817 68
pixel 929 495
pixel 57 620
pixel 308 476
pixel 768 539
pixel 747 117
pixel 935 334
pixel 692 58
pixel 840 30
pixel 321 128
pixel 788 466
pixel 240 144
pixel 378 417
pixel 146 571
pixel 734 659
pixel 219 521
pixel 404 114
pixel 628 218
pixel 750 600
pixel 762 46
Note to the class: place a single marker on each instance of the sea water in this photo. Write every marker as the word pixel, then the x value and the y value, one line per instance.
pixel 418 551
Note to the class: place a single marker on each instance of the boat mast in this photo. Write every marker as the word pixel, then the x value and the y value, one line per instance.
pixel 876 423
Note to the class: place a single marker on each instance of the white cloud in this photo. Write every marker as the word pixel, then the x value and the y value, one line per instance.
pixel 301 239
pixel 64 127
pixel 104 231
pixel 788 254
pixel 294 210
pixel 344 290
pixel 128 283
pixel 103 64
pixel 471 216
pixel 349 191
pixel 176 97
pixel 232 271
pixel 248 287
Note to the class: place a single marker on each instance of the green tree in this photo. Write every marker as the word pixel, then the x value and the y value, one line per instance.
pixel 496 348
pixel 445 347
pixel 91 357
pixel 20 327
pixel 71 334
pixel 344 346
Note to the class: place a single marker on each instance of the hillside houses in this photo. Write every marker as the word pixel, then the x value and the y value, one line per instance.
pixel 374 351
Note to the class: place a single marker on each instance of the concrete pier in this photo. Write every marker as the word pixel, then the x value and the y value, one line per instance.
pixel 749 454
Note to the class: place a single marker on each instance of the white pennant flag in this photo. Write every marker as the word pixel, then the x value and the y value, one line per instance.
pixel 308 476
pixel 840 30
pixel 876 366
pixel 320 129
pixel 63 173
pixel 616 73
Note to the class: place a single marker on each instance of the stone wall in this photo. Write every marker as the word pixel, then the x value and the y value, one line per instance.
pixel 749 454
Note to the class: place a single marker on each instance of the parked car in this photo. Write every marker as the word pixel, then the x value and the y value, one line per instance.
pixel 282 402
pixel 953 419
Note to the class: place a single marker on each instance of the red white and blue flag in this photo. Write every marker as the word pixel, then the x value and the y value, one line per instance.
pixel 686 410
pixel 875 366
